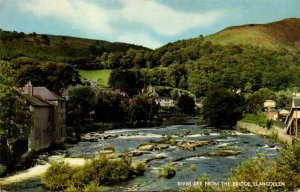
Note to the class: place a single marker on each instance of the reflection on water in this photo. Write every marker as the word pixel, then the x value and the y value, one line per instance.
pixel 218 168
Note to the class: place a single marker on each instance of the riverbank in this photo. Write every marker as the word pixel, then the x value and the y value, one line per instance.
pixel 37 171
pixel 274 132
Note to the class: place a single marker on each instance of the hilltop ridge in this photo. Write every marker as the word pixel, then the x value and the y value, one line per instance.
pixel 284 33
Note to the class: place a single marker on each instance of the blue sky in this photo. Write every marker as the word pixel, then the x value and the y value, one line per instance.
pixel 150 23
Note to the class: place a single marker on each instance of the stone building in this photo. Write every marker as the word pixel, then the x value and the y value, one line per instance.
pixel 48 117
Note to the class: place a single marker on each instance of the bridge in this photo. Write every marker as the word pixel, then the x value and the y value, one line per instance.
pixel 292 120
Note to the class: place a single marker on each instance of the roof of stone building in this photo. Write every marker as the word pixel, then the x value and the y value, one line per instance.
pixel 36 101
pixel 46 94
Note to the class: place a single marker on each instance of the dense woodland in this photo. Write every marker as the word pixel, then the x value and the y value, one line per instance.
pixel 195 66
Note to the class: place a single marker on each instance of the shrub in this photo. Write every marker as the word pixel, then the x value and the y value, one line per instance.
pixel 58 176
pixel 97 171
pixel 269 124
pixel 167 172
pixel 193 167
pixel 6 157
pixel 3 169
pixel 94 187
pixel 102 170
pixel 139 168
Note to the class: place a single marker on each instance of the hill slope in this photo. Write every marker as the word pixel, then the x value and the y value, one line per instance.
pixel 56 48
pixel 284 33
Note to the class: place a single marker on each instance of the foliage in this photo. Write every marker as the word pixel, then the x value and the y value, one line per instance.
pixel 139 167
pixel 82 100
pixel 142 109
pixel 83 53
pixel 255 102
pixel 14 114
pixel 222 107
pixel 97 171
pixel 58 176
pixel 125 80
pixel 186 104
pixel 94 187
pixel 6 157
pixel 110 107
pixel 256 118
pixel 269 124
pixel 193 167
pixel 167 172
pixel 55 76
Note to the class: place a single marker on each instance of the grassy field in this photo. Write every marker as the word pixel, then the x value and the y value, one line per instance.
pixel 100 75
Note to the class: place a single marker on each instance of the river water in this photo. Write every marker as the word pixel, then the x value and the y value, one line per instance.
pixel 217 168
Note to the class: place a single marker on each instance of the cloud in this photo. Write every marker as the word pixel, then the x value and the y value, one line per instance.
pixel 139 39
pixel 164 20
pixel 78 13
pixel 94 18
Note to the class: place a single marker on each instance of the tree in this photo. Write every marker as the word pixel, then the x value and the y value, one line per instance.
pixel 141 110
pixel 186 104
pixel 55 76
pixel 45 40
pixel 222 107
pixel 167 59
pixel 58 76
pixel 82 101
pixel 125 80
pixel 14 114
pixel 110 107
pixel 113 60
pixel 174 75
pixel 255 102
pixel 15 117
pixel 139 61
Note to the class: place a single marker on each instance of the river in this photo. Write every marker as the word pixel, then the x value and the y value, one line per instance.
pixel 217 167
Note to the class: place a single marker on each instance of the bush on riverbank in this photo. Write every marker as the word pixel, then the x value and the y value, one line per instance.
pixel 58 176
pixel 259 118
pixel 98 170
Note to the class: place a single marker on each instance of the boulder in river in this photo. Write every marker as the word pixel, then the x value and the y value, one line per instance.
pixel 191 145
pixel 94 137
pixel 222 153
pixel 133 153
pixel 157 157
pixel 147 147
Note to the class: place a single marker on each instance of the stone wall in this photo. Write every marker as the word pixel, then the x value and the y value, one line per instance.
pixel 256 129
pixel 41 131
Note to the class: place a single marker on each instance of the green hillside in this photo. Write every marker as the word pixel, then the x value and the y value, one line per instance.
pixel 284 33
pixel 76 51
pixel 101 76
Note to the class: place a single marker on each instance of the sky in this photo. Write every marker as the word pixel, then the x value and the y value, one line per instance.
pixel 150 23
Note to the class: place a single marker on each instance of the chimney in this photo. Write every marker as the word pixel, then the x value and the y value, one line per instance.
pixel 28 88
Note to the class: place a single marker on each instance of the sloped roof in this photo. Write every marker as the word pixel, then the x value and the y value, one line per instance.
pixel 35 101
pixel 158 98
pixel 46 94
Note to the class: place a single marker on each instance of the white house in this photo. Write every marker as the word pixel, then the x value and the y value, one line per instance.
pixel 165 101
